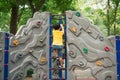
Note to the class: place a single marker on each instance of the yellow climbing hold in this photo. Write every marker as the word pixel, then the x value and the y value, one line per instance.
pixel 74 29
pixel 15 42
pixel 42 59
pixel 99 63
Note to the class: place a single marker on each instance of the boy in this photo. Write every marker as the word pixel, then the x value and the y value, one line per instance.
pixel 58 32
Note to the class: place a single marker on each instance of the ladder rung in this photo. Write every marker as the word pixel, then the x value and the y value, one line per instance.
pixel 58 18
pixel 57 15
pixel 64 57
pixel 54 57
pixel 51 36
pixel 57 68
pixel 50 46
pixel 59 79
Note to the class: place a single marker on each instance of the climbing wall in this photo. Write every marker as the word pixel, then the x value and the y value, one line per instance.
pixel 90 55
pixel 2 45
pixel 29 49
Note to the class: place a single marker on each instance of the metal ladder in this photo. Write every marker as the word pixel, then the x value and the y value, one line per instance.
pixel 62 72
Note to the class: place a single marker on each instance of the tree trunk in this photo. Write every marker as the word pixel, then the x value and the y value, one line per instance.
pixel 115 21
pixel 115 15
pixel 14 19
pixel 108 17
pixel 35 7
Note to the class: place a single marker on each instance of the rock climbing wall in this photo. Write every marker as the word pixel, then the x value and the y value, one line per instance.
pixel 29 48
pixel 91 56
pixel 2 45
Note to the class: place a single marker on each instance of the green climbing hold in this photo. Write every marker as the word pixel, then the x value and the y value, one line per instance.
pixel 78 14
pixel 29 72
pixel 85 50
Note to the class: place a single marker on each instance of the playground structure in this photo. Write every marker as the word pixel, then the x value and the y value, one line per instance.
pixel 89 55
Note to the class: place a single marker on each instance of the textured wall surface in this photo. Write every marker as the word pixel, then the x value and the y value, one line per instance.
pixel 91 56
pixel 29 48
pixel 2 45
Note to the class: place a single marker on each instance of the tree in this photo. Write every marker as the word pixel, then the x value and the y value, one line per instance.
pixel 35 5
pixel 15 12
pixel 12 7
pixel 14 18
pixel 4 15
pixel 17 9
pixel 116 5
pixel 108 17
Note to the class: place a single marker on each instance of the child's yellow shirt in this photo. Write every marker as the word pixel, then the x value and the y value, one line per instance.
pixel 58 37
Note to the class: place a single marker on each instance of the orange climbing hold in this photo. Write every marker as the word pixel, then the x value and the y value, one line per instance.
pixel 74 29
pixel 15 42
pixel 99 63
pixel 42 59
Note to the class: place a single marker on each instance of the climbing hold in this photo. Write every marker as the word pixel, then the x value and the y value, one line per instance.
pixel 38 23
pixel 29 72
pixel 72 54
pixel 78 14
pixel 74 29
pixel 42 59
pixel 85 50
pixel 25 32
pixel 107 48
pixel 30 51
pixel 89 31
pixel 41 39
pixel 44 77
pixel 15 42
pixel 20 55
pixel 81 63
pixel 101 38
pixel 99 63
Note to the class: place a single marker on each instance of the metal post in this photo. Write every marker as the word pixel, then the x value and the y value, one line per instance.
pixel 6 56
pixel 65 37
pixel 118 56
pixel 60 71
pixel 50 49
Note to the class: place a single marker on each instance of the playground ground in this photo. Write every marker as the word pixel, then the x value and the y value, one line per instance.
pixel 28 78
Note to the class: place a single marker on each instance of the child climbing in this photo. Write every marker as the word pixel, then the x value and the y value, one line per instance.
pixel 58 32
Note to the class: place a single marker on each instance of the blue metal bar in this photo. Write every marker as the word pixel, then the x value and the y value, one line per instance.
pixel 50 48
pixel 118 56
pixel 60 71
pixel 6 56
pixel 65 37
pixel 60 22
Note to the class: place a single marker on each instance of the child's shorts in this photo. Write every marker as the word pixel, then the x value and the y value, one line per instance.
pixel 59 49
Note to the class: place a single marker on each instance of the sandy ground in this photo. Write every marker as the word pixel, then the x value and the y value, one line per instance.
pixel 28 78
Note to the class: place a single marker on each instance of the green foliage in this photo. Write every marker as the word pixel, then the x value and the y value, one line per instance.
pixel 4 21
pixel 24 17
pixel 96 15
pixel 57 6
pixel 4 6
